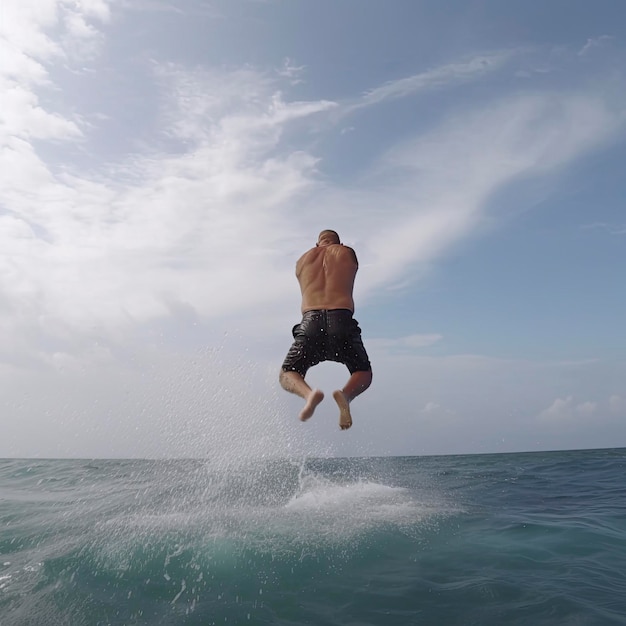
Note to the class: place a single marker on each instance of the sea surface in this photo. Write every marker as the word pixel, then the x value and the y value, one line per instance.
pixel 503 539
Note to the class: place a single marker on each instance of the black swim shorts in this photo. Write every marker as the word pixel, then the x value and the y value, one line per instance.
pixel 322 335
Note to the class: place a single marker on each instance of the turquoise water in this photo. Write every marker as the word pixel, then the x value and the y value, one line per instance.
pixel 526 539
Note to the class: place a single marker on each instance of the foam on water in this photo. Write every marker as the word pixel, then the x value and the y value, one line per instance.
pixel 279 508
pixel 191 532
pixel 349 509
pixel 318 493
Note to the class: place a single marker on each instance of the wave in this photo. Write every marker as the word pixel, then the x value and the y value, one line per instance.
pixel 487 540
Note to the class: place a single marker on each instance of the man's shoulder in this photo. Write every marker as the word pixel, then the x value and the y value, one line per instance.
pixel 344 251
pixel 337 250
pixel 308 258
pixel 311 253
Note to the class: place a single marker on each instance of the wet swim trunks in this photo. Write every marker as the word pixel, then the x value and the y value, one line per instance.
pixel 327 335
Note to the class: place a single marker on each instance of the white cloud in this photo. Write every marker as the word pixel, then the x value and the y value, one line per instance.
pixel 291 72
pixel 23 117
pixel 32 39
pixel 32 34
pixel 99 9
pixel 114 254
pixel 449 74
pixel 434 410
pixel 617 405
pixel 234 110
pixel 409 342
pixel 612 229
pixel 564 409
pixel 24 27
pixel 443 181
pixel 594 42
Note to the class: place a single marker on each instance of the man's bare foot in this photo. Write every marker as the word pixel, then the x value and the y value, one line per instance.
pixel 345 418
pixel 315 397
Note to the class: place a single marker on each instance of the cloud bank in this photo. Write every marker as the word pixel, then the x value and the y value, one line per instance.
pixel 196 229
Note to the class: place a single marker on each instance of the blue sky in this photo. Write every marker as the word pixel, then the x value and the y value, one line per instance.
pixel 164 164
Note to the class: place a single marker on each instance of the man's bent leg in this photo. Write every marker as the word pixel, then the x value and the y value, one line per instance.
pixel 357 384
pixel 295 383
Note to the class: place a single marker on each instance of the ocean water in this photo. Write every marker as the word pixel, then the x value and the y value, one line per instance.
pixel 526 539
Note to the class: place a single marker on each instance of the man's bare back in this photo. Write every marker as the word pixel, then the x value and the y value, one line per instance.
pixel 326 275
pixel 328 330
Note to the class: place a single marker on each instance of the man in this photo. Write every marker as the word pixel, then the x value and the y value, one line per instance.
pixel 328 332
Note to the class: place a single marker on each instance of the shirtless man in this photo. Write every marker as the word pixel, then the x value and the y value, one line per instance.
pixel 328 332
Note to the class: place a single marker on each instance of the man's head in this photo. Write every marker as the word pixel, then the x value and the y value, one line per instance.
pixel 327 238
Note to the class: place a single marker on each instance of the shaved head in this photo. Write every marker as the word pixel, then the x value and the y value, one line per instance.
pixel 329 236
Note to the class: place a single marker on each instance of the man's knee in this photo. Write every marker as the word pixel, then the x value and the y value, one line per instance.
pixel 364 378
pixel 285 377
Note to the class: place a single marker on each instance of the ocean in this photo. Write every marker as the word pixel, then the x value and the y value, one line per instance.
pixel 503 539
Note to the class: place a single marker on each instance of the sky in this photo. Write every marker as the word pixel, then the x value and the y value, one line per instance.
pixel 163 165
